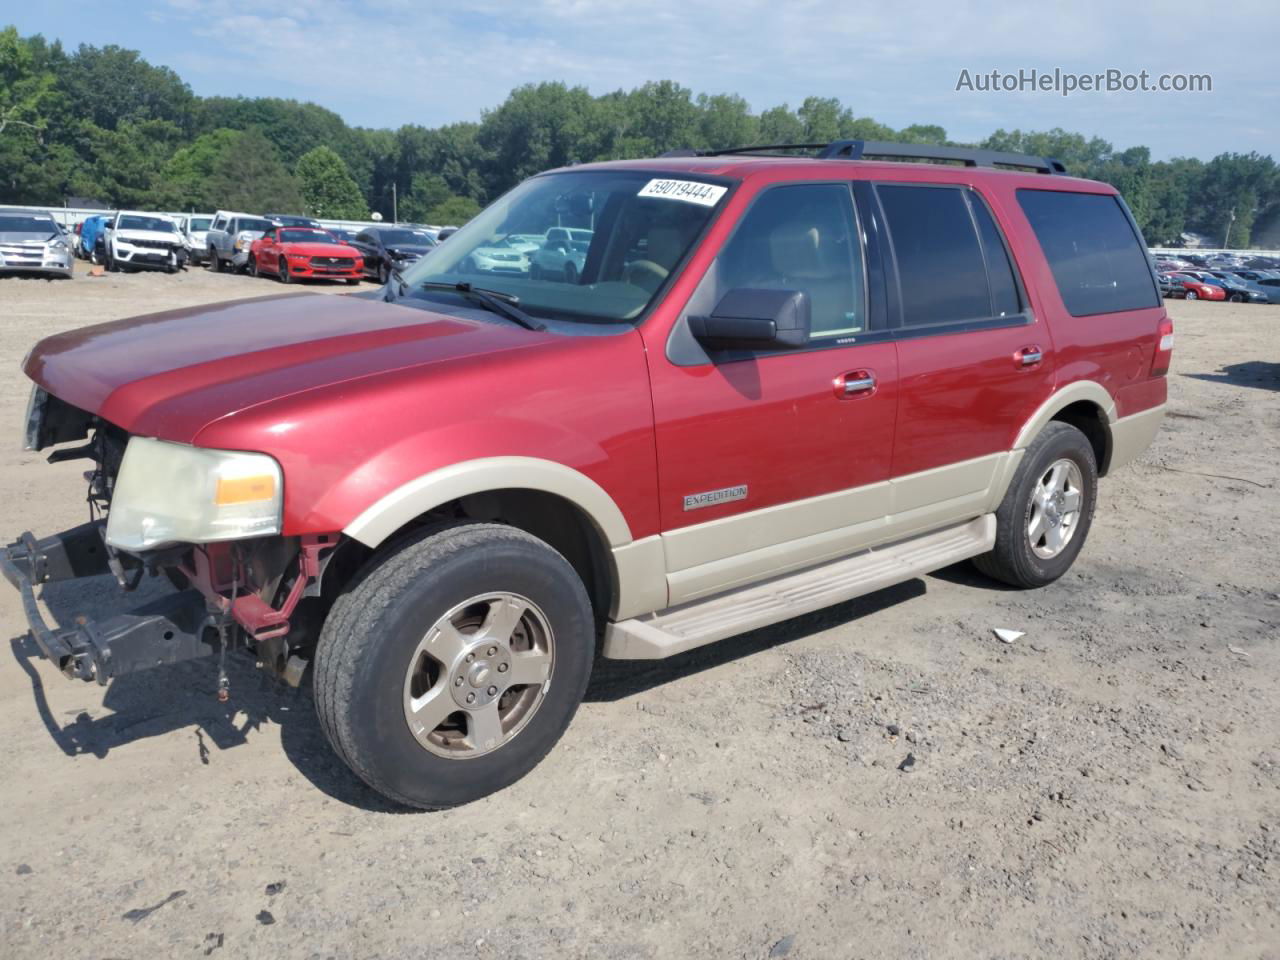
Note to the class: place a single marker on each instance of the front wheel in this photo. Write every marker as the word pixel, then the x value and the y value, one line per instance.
pixel 451 667
pixel 1042 523
pixel 1192 295
pixel 253 267
pixel 282 271
pixel 1237 298
pixel 570 273
pixel 215 264
pixel 384 273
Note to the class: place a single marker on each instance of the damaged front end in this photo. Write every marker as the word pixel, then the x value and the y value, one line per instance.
pixel 206 520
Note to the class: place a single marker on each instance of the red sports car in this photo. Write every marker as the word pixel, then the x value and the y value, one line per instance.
pixel 1193 288
pixel 304 253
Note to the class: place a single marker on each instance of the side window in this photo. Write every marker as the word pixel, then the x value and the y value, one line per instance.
pixel 941 270
pixel 1005 299
pixel 218 224
pixel 1097 259
pixel 802 237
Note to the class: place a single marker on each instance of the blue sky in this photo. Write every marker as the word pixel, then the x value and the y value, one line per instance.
pixel 384 63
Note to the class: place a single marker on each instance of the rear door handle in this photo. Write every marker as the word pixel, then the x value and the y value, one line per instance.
pixel 1028 356
pixel 857 383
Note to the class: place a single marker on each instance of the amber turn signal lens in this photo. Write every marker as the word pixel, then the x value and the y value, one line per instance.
pixel 244 489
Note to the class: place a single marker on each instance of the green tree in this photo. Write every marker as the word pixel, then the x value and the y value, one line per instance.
pixel 454 210
pixel 248 174
pixel 327 187
pixel 726 121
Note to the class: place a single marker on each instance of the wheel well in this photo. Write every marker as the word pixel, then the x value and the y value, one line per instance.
pixel 1088 418
pixel 558 522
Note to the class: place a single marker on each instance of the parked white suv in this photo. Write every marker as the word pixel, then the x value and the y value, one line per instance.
pixel 143 241
pixel 195 235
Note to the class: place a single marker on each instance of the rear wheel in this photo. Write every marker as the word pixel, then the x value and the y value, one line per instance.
pixel 434 673
pixel 1042 523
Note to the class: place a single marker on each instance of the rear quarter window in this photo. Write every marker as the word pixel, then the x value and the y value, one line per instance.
pixel 1095 253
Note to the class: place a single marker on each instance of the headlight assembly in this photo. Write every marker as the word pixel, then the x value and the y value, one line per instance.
pixel 173 493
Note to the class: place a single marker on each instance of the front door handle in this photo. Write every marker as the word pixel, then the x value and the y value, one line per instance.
pixel 856 383
pixel 1028 356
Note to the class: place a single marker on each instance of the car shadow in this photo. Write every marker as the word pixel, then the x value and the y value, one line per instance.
pixel 1259 374
pixel 181 696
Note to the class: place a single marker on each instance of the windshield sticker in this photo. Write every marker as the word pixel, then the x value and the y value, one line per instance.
pixel 690 191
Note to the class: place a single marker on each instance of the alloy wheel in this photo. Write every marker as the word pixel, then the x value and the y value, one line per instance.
pixel 1055 508
pixel 479 675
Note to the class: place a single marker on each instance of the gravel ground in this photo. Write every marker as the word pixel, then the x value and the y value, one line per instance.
pixel 883 779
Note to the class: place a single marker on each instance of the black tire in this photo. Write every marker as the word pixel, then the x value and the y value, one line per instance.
pixel 384 273
pixel 353 281
pixel 111 264
pixel 214 263
pixel 535 271
pixel 1237 298
pixel 371 635
pixel 1012 560
pixel 282 272
pixel 570 273
pixel 1191 295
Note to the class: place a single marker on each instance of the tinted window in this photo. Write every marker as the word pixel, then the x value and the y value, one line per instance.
pixel 1005 300
pixel 1097 260
pixel 941 270
pixel 802 238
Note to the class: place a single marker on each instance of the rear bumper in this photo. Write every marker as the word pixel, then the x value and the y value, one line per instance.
pixel 173 628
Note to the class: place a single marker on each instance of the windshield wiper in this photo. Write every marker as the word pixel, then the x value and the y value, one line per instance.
pixel 495 301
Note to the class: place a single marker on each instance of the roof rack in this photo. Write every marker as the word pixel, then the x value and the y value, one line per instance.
pixel 865 149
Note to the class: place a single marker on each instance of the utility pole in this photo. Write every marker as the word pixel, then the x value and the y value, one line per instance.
pixel 395 217
pixel 1226 241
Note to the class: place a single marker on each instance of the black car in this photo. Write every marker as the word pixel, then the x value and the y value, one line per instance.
pixel 289 220
pixel 388 248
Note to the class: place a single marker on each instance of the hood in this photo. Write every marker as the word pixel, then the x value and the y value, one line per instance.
pixel 158 236
pixel 320 250
pixel 170 374
pixel 21 236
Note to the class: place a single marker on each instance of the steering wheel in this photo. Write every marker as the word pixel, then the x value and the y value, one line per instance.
pixel 645 274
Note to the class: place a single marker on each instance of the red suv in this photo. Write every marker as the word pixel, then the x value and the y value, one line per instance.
pixel 773 382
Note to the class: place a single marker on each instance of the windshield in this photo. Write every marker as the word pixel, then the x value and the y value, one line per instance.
pixel 597 245
pixel 199 223
pixel 20 224
pixel 306 236
pixel 411 238
pixel 146 223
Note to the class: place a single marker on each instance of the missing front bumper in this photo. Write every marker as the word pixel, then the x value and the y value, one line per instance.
pixel 168 630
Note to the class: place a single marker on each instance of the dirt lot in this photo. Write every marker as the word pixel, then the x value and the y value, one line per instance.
pixel 1106 786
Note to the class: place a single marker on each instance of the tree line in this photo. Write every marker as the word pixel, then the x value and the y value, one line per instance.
pixel 103 123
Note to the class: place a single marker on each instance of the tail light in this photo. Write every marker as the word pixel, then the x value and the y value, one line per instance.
pixel 1164 349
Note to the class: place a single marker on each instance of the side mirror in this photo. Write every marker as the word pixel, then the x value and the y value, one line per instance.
pixel 755 319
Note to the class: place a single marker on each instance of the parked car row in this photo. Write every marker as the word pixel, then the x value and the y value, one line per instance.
pixel 1236 285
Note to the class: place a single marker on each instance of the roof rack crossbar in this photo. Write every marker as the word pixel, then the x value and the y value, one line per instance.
pixel 969 156
pixel 866 149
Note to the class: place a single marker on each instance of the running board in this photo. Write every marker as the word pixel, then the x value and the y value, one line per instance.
pixel 690 625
